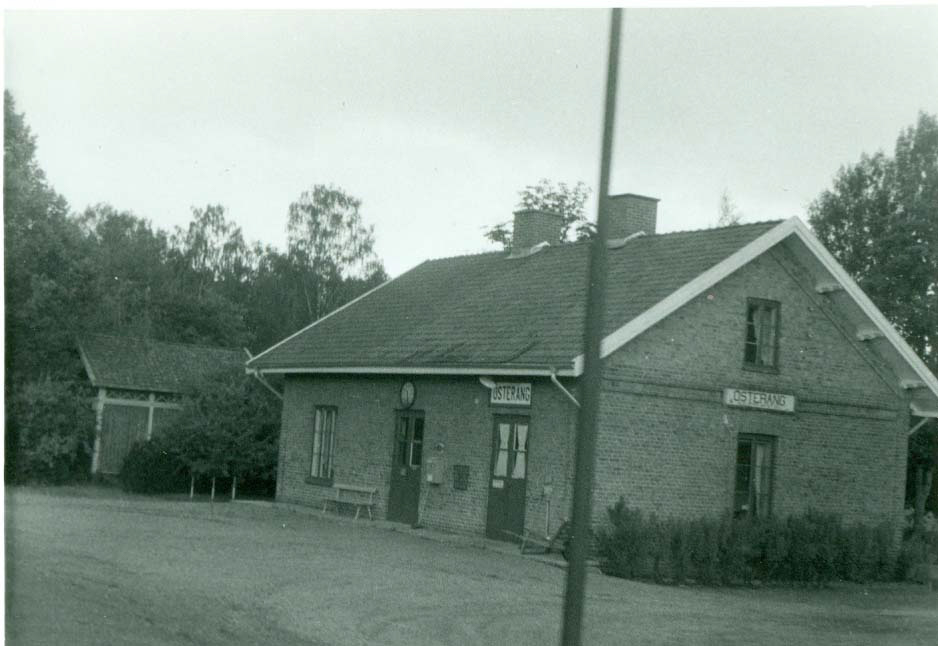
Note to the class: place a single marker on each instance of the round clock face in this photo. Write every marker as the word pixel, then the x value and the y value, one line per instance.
pixel 408 392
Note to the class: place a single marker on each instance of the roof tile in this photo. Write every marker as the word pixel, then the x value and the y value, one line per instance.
pixel 145 364
pixel 491 310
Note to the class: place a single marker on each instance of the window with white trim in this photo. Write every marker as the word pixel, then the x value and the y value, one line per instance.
pixel 761 346
pixel 323 443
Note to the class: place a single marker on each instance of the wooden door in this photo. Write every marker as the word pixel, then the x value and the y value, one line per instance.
pixel 404 497
pixel 508 477
pixel 121 427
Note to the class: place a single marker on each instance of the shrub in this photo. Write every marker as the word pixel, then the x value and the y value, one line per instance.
pixel 919 550
pixel 51 427
pixel 810 548
pixel 153 468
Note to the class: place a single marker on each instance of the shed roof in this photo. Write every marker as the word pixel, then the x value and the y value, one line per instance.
pixel 490 310
pixel 145 364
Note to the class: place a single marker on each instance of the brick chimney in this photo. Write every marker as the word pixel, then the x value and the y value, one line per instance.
pixel 533 226
pixel 630 213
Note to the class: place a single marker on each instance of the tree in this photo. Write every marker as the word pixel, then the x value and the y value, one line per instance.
pixel 329 243
pixel 45 260
pixel 227 428
pixel 130 264
pixel 880 220
pixel 568 201
pixel 729 213
pixel 212 249
pixel 49 432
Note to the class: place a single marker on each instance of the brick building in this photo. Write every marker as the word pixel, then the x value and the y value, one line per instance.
pixel 743 370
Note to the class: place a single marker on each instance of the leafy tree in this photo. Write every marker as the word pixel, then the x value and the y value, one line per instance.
pixel 880 220
pixel 50 432
pixel 227 428
pixel 212 249
pixel 130 264
pixel 46 277
pixel 329 243
pixel 729 213
pixel 568 201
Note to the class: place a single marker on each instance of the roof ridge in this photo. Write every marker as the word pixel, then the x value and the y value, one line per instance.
pixel 574 243
pixel 463 255
pixel 228 348
pixel 723 228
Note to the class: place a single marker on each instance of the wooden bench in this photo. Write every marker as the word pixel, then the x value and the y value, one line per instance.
pixel 356 495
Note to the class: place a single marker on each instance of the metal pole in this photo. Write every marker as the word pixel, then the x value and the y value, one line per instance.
pixel 592 369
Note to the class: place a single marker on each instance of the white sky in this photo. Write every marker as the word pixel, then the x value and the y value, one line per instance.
pixel 437 119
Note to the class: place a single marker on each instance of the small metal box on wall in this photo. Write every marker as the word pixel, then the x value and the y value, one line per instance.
pixel 461 477
pixel 433 470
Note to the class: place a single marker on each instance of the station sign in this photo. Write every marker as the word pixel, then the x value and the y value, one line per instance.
pixel 511 394
pixel 757 399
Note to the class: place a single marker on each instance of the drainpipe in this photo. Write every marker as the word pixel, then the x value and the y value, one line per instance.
pixel 553 378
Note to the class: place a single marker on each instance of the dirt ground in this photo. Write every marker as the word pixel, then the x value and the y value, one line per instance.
pixel 86 567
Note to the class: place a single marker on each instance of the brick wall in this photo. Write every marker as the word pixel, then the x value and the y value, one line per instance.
pixel 458 416
pixel 667 443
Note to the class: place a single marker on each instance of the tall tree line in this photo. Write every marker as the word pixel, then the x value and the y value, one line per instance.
pixel 108 270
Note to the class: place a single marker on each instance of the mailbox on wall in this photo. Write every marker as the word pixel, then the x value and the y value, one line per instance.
pixel 433 470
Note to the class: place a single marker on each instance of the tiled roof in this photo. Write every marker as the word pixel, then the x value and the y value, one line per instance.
pixel 144 364
pixel 494 311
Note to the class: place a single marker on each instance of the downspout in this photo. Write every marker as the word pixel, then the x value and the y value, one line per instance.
pixel 553 378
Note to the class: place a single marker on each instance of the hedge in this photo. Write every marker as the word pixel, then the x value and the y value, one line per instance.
pixel 811 548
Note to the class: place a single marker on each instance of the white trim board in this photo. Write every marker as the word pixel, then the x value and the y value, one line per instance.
pixel 757 247
pixel 142 403
pixel 417 370
pixel 689 291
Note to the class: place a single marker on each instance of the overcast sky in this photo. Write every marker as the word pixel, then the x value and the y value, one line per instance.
pixel 436 120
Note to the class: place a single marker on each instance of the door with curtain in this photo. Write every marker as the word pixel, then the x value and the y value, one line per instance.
pixel 508 478
pixel 404 495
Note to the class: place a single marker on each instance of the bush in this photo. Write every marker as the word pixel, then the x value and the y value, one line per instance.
pixel 811 548
pixel 50 426
pixel 919 550
pixel 152 468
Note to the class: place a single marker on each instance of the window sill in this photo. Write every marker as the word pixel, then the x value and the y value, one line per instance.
pixel 772 370
pixel 322 482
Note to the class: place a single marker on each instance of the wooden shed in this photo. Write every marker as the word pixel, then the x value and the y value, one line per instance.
pixel 139 385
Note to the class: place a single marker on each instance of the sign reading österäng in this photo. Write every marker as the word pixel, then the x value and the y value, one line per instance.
pixel 515 394
pixel 758 399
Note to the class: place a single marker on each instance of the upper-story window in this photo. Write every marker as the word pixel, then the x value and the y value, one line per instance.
pixel 762 318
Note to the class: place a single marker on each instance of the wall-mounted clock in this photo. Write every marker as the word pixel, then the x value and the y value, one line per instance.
pixel 408 393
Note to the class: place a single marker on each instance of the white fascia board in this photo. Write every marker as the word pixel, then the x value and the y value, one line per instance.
pixel 690 290
pixel 918 411
pixel 866 305
pixel 87 364
pixel 760 245
pixel 320 320
pixel 417 370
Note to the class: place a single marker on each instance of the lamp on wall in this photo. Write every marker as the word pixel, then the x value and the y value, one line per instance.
pixel 487 382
